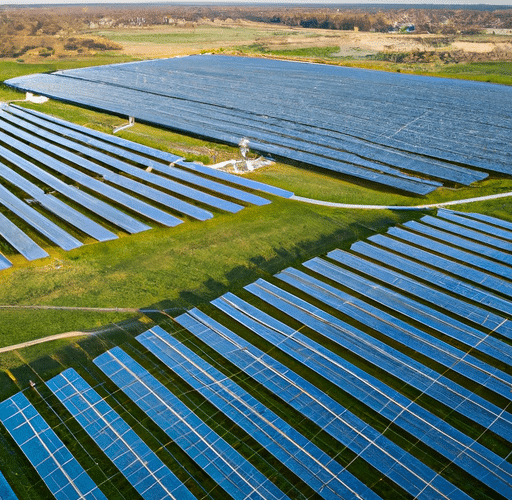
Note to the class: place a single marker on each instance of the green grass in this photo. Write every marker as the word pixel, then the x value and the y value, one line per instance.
pixel 21 325
pixel 186 265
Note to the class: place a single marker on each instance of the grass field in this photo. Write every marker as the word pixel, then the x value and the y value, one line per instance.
pixel 193 263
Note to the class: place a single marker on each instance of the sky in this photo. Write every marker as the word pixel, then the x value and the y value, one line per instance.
pixel 309 2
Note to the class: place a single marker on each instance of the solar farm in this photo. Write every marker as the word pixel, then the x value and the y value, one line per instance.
pixel 378 368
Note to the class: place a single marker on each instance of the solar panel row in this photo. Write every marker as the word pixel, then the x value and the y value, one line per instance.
pixel 458 217
pixel 139 173
pixel 425 273
pixel 137 462
pixel 392 361
pixel 307 461
pixel 388 458
pixel 231 135
pixel 215 456
pixel 459 307
pixel 467 244
pixel 471 259
pixel 442 352
pixel 168 158
pixel 440 436
pixel 433 260
pixel 6 492
pixel 37 221
pixel 60 471
pixel 19 240
pixel 333 114
pixel 467 233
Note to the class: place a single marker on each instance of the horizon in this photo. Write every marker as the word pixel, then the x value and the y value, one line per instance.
pixel 418 3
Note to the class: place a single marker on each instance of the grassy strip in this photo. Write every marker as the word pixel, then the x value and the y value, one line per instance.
pixel 18 326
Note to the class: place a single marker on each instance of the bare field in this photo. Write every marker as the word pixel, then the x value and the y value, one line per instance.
pixel 169 41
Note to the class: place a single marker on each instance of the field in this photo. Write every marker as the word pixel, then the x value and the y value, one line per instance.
pixel 166 271
pixel 117 274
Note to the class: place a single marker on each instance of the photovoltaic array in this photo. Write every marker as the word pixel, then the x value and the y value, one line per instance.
pixel 60 471
pixel 6 492
pixel 396 352
pixel 126 186
pixel 406 132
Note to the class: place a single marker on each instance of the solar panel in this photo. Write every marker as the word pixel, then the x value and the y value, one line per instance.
pixel 216 457
pixel 458 217
pixel 167 157
pixel 442 352
pixel 329 112
pixel 136 461
pixel 434 432
pixel 60 471
pixel 37 221
pixel 388 458
pixel 447 265
pixel 107 174
pixel 477 248
pixel 146 162
pixel 95 185
pixel 19 240
pixel 6 492
pixel 428 274
pixel 392 361
pixel 231 134
pixel 449 251
pixel 56 206
pixel 494 221
pixel 460 230
pixel 302 457
pixel 459 307
pixel 101 208
pixel 4 263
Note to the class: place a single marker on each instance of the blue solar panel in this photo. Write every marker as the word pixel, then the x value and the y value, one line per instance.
pixel 460 230
pixel 284 102
pixel 390 360
pixel 19 240
pixel 459 218
pixel 60 471
pixel 461 308
pixel 139 173
pixel 56 206
pixel 447 265
pixel 107 175
pixel 449 251
pixel 215 456
pixel 90 182
pixel 388 458
pixel 167 157
pixel 154 111
pixel 494 221
pixel 144 161
pixel 37 221
pixel 477 460
pixel 6 492
pixel 445 354
pixel 466 244
pixel 427 274
pixel 311 464
pixel 137 462
pixel 4 263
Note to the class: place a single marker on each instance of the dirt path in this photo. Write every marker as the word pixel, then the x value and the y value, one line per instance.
pixel 398 207
pixel 44 339
pixel 67 308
